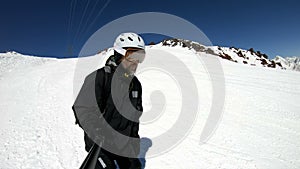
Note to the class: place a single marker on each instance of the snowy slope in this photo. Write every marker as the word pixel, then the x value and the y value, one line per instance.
pixel 259 127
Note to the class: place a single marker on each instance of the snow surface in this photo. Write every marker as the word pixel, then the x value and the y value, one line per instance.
pixel 259 127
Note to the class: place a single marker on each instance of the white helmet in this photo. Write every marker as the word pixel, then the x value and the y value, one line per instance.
pixel 128 40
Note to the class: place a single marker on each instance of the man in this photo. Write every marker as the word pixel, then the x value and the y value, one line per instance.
pixel 109 105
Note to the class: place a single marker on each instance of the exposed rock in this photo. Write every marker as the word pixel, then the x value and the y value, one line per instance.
pixel 265 56
pixel 240 54
pixel 225 56
pixel 264 62
pixel 252 51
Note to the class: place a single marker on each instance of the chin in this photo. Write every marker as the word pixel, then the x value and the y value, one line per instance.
pixel 132 72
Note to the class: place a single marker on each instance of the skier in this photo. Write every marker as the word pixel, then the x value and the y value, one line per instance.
pixel 102 100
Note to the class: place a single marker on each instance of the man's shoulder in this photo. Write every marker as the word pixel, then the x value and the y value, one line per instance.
pixel 97 73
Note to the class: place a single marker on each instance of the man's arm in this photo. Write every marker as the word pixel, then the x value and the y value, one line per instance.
pixel 86 109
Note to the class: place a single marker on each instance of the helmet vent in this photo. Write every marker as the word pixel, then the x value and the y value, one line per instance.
pixel 139 38
pixel 130 38
pixel 122 39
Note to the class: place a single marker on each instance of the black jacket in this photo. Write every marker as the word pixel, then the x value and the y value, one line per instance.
pixel 103 97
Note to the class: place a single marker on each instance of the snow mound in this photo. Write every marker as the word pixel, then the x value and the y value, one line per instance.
pixel 12 61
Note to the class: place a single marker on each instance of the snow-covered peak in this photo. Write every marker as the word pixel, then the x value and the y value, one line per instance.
pixel 290 63
pixel 197 47
pixel 11 53
pixel 294 59
pixel 281 60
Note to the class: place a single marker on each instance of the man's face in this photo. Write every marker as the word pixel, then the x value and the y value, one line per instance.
pixel 132 58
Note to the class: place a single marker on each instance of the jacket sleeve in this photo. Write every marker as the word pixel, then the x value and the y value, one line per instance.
pixel 86 109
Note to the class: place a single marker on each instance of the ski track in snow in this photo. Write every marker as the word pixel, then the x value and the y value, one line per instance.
pixel 259 127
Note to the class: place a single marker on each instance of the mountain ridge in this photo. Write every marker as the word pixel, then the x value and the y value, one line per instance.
pixel 238 55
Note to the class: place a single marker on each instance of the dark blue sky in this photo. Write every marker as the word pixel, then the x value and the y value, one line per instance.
pixel 60 27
